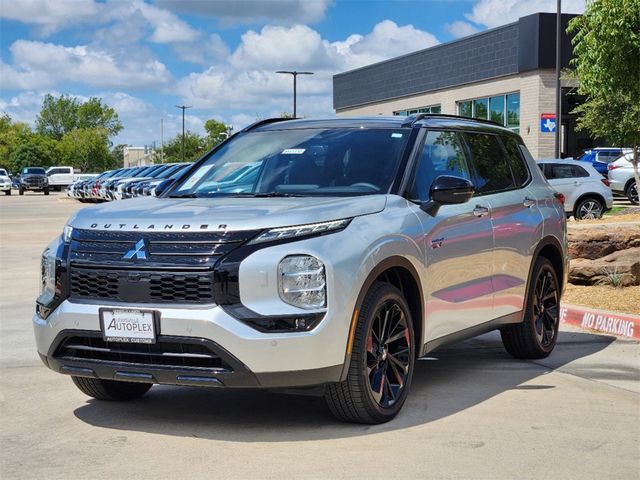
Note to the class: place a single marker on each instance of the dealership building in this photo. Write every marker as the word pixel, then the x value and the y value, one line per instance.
pixel 506 74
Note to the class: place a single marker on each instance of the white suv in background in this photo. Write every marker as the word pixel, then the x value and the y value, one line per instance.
pixel 622 179
pixel 5 182
pixel 587 194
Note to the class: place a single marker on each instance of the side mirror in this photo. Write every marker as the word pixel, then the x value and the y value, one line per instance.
pixel 448 190
pixel 164 186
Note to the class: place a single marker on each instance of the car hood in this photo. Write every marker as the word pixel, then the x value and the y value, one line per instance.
pixel 214 214
pixel 4 178
pixel 33 175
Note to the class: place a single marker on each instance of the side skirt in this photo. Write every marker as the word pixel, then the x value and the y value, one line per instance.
pixel 474 331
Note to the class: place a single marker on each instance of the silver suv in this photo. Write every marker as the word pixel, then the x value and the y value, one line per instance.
pixel 343 251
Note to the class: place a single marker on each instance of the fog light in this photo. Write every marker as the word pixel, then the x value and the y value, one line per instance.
pixel 302 282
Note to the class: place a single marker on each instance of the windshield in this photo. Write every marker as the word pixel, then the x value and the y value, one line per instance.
pixel 334 162
pixel 33 170
pixel 3 172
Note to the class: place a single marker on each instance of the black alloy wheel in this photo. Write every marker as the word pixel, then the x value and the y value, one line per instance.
pixel 632 194
pixel 388 352
pixel 546 308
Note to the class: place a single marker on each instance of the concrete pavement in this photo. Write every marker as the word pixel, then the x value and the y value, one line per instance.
pixel 473 412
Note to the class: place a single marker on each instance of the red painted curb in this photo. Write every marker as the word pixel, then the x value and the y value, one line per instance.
pixel 614 323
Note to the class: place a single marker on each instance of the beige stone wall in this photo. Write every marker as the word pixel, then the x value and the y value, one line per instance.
pixel 133 156
pixel 537 95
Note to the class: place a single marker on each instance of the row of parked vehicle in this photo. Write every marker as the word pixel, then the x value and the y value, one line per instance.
pixel 125 182
pixel 615 165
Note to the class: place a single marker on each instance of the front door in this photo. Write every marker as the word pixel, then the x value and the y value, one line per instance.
pixel 458 244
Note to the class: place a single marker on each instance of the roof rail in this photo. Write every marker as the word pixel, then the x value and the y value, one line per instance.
pixel 265 121
pixel 413 119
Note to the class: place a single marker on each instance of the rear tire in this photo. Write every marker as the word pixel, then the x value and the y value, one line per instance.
pixel 536 336
pixel 111 390
pixel 632 193
pixel 380 372
pixel 588 209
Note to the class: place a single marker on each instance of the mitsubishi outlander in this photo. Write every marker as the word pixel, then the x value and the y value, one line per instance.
pixel 328 253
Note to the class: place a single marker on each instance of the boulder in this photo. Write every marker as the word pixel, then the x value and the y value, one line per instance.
pixel 625 263
pixel 596 241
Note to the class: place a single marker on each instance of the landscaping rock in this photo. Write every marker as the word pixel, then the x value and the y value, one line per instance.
pixel 597 241
pixel 625 263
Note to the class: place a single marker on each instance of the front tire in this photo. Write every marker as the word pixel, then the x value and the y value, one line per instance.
pixel 382 360
pixel 632 194
pixel 589 209
pixel 46 191
pixel 111 390
pixel 537 335
pixel 7 192
pixel 21 191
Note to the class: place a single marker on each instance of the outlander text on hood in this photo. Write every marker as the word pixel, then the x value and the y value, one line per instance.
pixel 328 253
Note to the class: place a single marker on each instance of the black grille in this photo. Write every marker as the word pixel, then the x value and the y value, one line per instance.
pixel 176 268
pixel 142 286
pixel 168 354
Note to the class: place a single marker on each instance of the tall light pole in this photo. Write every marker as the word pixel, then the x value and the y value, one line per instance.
pixel 295 77
pixel 558 86
pixel 183 107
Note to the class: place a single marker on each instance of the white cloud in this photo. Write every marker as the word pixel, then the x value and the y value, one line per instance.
pixel 253 11
pixel 493 13
pixel 51 15
pixel 38 64
pixel 461 29
pixel 248 81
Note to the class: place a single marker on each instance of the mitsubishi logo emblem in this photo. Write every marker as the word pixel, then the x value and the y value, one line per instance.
pixel 138 252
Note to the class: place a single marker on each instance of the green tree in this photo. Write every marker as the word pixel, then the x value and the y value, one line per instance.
pixel 63 114
pixel 194 147
pixel 86 149
pixel 606 47
pixel 39 151
pixel 12 135
pixel 217 132
pixel 117 156
pixel 57 116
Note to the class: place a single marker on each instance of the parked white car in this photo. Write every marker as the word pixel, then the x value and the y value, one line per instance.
pixel 622 178
pixel 5 182
pixel 587 193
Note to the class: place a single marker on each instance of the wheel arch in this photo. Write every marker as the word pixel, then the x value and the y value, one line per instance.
pixel 551 249
pixel 401 273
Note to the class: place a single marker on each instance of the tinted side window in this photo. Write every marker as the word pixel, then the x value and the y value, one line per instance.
pixel 518 164
pixel 493 173
pixel 560 170
pixel 442 154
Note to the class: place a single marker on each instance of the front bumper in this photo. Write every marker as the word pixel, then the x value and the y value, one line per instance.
pixel 256 359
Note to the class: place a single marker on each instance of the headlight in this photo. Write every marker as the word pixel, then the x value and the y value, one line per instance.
pixel 67 231
pixel 47 277
pixel 302 282
pixel 284 233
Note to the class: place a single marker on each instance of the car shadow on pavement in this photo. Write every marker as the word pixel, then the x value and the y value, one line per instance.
pixel 446 382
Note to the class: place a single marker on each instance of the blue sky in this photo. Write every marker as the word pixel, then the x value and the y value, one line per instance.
pixel 145 57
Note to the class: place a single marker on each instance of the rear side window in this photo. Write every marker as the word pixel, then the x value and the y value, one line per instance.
pixel 493 173
pixel 518 163
pixel 560 170
pixel 442 154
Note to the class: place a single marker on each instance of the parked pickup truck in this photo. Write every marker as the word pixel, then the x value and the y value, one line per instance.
pixel 60 177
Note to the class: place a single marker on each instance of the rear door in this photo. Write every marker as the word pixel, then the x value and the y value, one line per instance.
pixel 458 243
pixel 502 177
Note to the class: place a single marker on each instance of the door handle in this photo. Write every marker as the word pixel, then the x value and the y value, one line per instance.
pixel 480 211
pixel 528 202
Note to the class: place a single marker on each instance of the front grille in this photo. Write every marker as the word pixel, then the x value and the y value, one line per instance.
pixel 165 354
pixel 175 267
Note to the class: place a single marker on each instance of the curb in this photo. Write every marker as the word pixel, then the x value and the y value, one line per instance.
pixel 614 323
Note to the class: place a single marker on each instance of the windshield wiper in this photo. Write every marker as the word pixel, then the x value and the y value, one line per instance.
pixel 184 195
pixel 267 194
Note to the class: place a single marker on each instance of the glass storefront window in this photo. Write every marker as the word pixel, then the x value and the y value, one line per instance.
pixel 481 108
pixel 513 110
pixel 464 109
pixel 496 109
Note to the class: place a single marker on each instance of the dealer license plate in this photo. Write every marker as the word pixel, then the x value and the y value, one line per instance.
pixel 127 325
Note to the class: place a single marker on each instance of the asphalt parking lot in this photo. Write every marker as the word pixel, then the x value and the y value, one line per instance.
pixel 473 411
